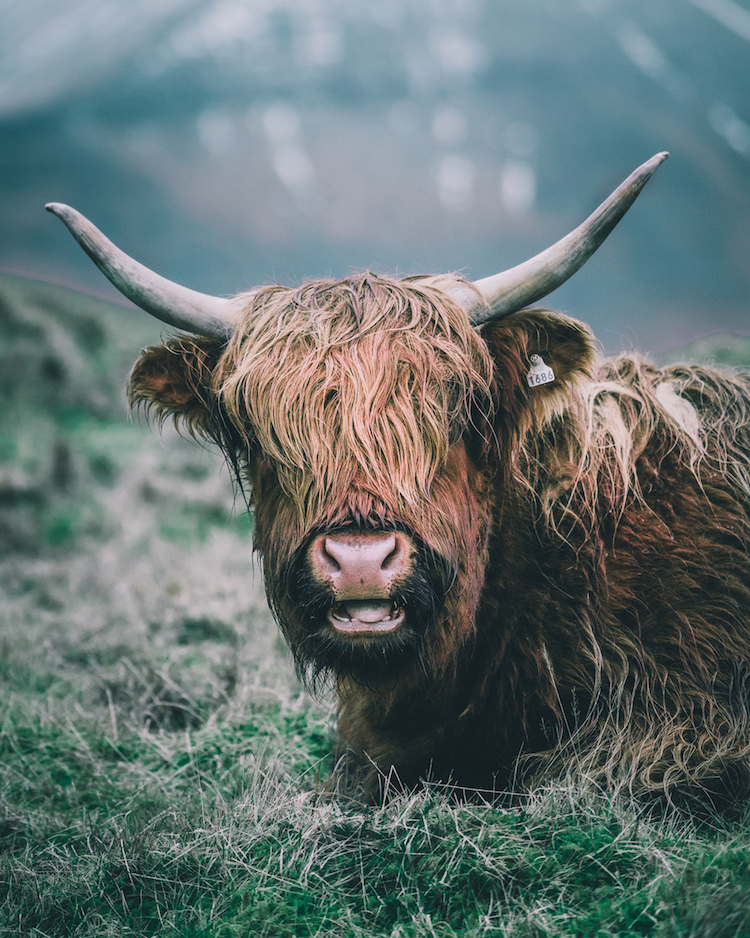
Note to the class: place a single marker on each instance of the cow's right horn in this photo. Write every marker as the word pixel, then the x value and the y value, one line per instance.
pixel 511 290
pixel 173 304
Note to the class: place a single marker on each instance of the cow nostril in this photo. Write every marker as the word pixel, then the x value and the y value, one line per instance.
pixel 395 558
pixel 325 555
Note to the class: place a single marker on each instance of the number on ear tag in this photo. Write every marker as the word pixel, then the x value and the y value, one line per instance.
pixel 539 373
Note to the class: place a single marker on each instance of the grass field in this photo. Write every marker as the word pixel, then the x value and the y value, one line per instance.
pixel 160 764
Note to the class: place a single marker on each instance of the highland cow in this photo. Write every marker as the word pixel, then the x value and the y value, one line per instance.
pixel 515 558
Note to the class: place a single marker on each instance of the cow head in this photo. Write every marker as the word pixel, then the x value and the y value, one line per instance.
pixel 358 414
pixel 366 417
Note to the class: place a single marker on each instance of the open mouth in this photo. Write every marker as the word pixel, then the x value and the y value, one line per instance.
pixel 366 616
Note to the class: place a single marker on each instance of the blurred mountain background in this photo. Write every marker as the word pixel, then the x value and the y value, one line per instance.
pixel 232 142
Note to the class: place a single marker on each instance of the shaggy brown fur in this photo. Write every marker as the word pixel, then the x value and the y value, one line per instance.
pixel 594 531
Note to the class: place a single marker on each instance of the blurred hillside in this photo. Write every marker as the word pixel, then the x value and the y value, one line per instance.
pixel 725 349
pixel 227 143
pixel 74 468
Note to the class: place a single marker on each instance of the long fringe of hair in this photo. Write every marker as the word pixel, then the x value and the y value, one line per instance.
pixel 334 408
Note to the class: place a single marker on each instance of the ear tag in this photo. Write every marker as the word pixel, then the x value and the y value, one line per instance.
pixel 539 373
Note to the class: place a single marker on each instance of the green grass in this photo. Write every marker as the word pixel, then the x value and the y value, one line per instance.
pixel 161 768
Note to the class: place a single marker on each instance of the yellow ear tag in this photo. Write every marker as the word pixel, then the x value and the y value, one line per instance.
pixel 539 373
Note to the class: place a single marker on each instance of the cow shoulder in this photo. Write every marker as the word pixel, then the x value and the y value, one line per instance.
pixel 175 380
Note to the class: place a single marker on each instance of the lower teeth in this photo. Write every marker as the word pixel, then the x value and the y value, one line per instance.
pixel 368 613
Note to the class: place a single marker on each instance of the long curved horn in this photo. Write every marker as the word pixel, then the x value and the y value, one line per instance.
pixel 173 304
pixel 520 286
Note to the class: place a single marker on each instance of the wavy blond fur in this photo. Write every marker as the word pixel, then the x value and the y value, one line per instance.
pixel 586 456
pixel 354 385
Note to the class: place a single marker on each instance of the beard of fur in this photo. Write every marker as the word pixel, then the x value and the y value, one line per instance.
pixel 355 385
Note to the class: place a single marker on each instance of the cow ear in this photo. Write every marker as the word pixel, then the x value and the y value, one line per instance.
pixel 538 355
pixel 175 380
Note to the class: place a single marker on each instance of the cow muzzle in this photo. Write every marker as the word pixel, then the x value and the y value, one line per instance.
pixel 363 571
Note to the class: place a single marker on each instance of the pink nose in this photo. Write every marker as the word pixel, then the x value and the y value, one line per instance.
pixel 359 566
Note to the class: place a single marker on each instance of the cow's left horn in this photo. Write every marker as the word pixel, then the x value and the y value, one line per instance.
pixel 513 289
pixel 173 304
